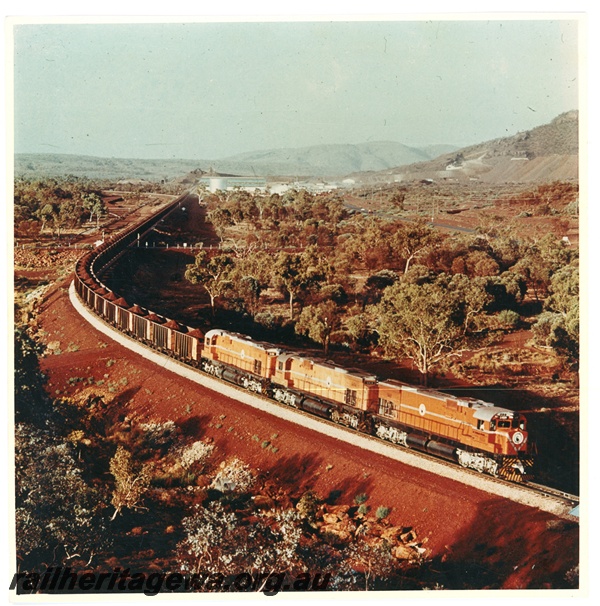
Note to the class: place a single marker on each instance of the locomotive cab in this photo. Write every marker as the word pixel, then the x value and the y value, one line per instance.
pixel 513 426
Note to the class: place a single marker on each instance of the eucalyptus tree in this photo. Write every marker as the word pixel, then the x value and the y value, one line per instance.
pixel 213 273
pixel 421 322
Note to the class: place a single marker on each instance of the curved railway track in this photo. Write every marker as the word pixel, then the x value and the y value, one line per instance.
pixel 97 262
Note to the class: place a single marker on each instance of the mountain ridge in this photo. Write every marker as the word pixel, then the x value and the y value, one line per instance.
pixel 327 160
pixel 546 152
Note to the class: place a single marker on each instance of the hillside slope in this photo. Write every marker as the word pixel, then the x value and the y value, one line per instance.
pixel 546 153
pixel 329 160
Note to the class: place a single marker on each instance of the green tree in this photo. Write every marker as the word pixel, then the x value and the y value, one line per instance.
pixel 94 204
pixel 213 273
pixel 291 272
pixel 373 245
pixel 319 322
pixel 414 240
pixel 46 213
pixel 397 198
pixel 421 322
pixel 558 325
pixel 221 219
pixel 359 329
pixel 376 284
pixel 541 260
pixel 472 296
pixel 249 277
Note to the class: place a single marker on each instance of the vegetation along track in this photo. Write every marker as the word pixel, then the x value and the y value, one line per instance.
pixel 96 262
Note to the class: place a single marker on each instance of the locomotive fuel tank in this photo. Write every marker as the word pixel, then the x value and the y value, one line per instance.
pixel 318 408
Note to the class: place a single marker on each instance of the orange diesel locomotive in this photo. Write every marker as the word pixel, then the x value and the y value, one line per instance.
pixel 240 360
pixel 472 432
pixel 344 395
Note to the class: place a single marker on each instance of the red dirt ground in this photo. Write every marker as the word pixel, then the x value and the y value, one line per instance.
pixel 524 547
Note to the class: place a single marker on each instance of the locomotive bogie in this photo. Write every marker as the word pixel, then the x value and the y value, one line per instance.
pixel 287 397
pixel 345 417
pixel 391 434
pixel 236 376
pixel 252 384
pixel 211 368
pixel 477 461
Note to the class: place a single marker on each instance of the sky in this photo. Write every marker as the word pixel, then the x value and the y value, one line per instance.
pixel 202 90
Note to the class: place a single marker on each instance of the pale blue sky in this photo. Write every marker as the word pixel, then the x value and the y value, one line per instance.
pixel 209 90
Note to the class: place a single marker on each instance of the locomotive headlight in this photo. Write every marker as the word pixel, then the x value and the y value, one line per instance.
pixel 518 438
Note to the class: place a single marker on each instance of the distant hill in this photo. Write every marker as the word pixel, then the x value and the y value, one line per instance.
pixel 546 153
pixel 328 160
pixel 314 161
pixel 92 167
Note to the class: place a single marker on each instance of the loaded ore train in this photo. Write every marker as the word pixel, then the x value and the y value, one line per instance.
pixel 473 433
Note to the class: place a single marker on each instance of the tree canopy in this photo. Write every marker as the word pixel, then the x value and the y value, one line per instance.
pixel 421 322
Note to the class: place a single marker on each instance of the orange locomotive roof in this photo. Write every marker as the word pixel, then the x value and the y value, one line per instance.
pixel 482 410
pixel 284 356
pixel 234 336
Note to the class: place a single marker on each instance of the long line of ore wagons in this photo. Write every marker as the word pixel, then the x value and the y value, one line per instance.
pixel 473 433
